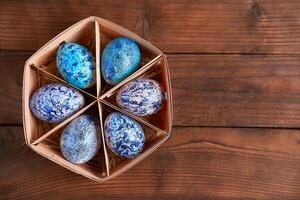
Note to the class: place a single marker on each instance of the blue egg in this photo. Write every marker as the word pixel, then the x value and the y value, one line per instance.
pixel 123 135
pixel 141 97
pixel 120 58
pixel 55 102
pixel 76 65
pixel 80 140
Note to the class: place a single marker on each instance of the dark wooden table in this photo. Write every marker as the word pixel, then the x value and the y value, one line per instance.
pixel 235 68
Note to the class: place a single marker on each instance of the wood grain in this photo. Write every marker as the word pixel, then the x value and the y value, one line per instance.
pixel 196 163
pixel 233 64
pixel 11 71
pixel 236 90
pixel 193 26
pixel 209 90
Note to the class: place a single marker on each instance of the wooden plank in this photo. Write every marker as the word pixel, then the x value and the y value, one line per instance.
pixel 11 71
pixel 209 90
pixel 196 163
pixel 236 90
pixel 29 25
pixel 234 26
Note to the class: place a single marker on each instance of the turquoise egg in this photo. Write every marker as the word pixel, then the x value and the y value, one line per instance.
pixel 80 140
pixel 76 65
pixel 55 102
pixel 120 58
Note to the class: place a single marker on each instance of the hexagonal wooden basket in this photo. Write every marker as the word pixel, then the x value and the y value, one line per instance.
pixel 40 69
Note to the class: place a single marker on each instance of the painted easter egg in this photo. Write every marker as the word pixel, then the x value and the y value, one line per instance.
pixel 55 102
pixel 120 58
pixel 124 136
pixel 76 65
pixel 80 140
pixel 141 97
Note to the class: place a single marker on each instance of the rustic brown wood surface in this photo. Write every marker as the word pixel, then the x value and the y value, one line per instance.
pixel 235 69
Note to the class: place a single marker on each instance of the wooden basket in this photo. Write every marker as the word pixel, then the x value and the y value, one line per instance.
pixel 40 69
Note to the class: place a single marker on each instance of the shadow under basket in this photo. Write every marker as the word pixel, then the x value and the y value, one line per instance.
pixel 40 69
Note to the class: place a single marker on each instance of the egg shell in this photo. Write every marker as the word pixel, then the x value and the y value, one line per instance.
pixel 120 58
pixel 123 135
pixel 80 140
pixel 55 102
pixel 76 65
pixel 141 97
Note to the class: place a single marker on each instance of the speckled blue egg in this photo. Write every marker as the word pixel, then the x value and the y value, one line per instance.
pixel 55 102
pixel 123 135
pixel 120 58
pixel 80 140
pixel 141 97
pixel 76 65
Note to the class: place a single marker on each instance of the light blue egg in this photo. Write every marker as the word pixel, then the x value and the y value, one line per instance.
pixel 80 140
pixel 76 65
pixel 55 102
pixel 141 97
pixel 123 135
pixel 120 58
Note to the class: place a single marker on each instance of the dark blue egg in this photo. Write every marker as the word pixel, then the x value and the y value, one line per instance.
pixel 76 65
pixel 55 102
pixel 124 136
pixel 80 140
pixel 141 97
pixel 120 58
